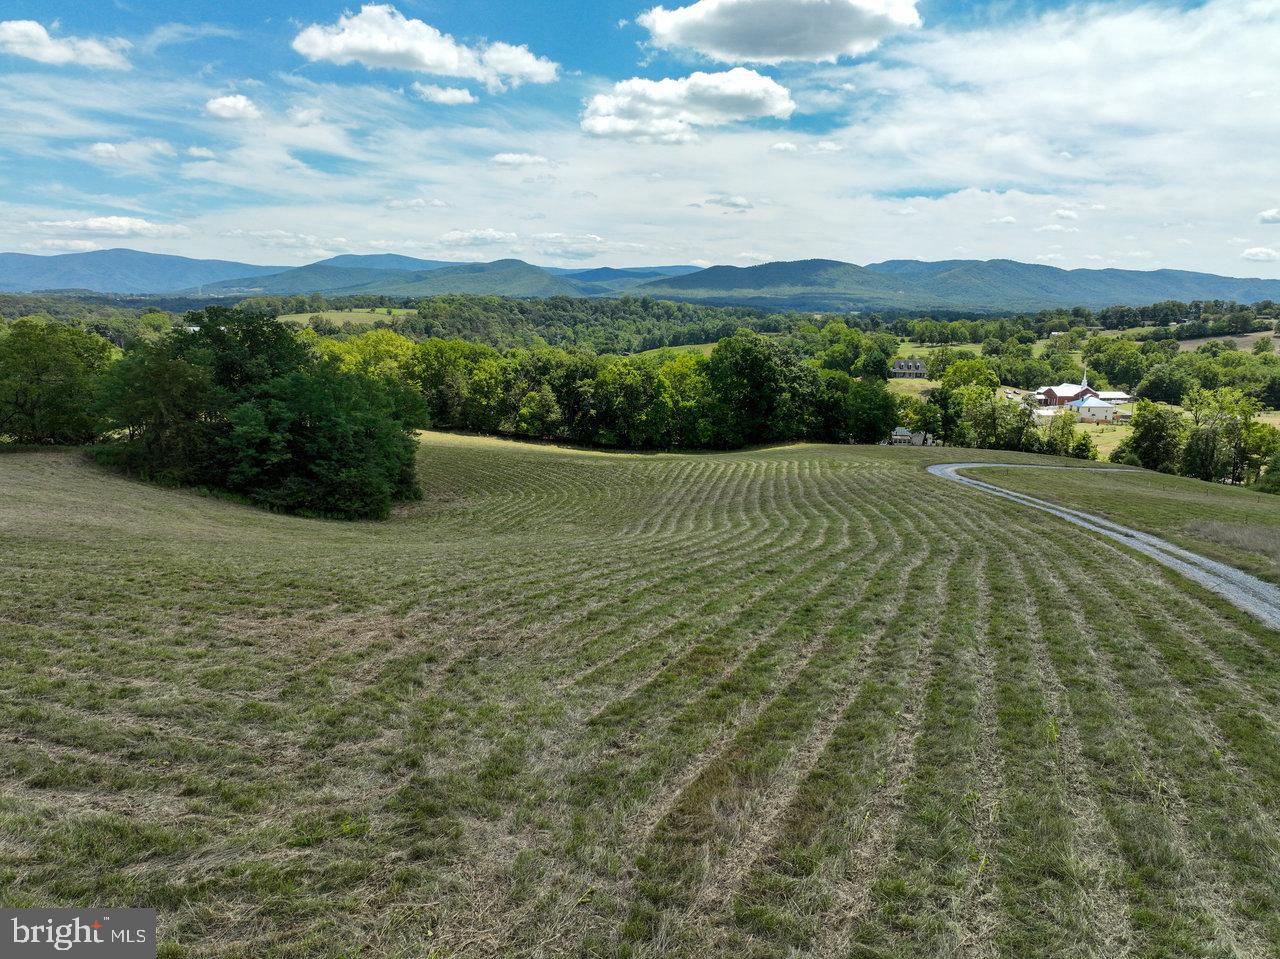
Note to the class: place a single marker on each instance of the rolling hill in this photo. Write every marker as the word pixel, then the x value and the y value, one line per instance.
pixel 817 284
pixel 314 278
pixel 804 284
pixel 499 278
pixel 385 261
pixel 117 271
pixel 848 709
pixel 1010 283
pixel 955 284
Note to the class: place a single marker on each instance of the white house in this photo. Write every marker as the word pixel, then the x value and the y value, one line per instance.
pixel 1093 410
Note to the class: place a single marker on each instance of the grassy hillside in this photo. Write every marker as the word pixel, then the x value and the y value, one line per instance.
pixel 806 700
pixel 364 317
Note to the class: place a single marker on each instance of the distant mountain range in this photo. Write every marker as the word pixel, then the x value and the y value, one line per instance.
pixel 117 271
pixel 949 284
pixel 799 285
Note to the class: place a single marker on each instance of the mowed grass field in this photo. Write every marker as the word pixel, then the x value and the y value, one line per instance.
pixel 804 701
pixel 1240 527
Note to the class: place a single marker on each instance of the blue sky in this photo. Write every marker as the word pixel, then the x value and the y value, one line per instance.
pixel 1134 135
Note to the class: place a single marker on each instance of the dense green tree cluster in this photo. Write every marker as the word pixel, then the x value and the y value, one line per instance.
pixel 625 325
pixel 1221 440
pixel 969 410
pixel 1156 370
pixel 243 403
pixel 752 389
pixel 120 325
pixel 237 402
pixel 48 374
pixel 1173 319
pixel 1013 362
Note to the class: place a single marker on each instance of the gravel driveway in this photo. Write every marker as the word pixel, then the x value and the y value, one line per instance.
pixel 1255 596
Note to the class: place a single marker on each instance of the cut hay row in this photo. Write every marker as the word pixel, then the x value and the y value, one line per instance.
pixel 795 701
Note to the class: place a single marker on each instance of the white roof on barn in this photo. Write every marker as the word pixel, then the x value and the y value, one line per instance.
pixel 1113 396
pixel 1092 401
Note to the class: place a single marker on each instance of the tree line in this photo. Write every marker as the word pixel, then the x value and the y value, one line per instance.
pixel 299 422
pixel 1219 440
pixel 236 402
pixel 1157 370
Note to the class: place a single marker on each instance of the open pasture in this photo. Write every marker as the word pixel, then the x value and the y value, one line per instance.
pixel 361 317
pixel 802 701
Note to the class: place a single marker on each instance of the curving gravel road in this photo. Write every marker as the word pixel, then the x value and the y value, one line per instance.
pixel 1255 596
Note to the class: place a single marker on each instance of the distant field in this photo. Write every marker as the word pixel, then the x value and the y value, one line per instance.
pixel 1243 341
pixel 908 348
pixel 912 387
pixel 358 317
pixel 803 701
pixel 1106 436
pixel 702 349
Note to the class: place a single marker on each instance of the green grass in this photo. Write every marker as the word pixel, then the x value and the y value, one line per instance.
pixel 1243 341
pixel 797 701
pixel 1106 436
pixel 702 349
pixel 361 317
pixel 1237 526
pixel 908 386
pixel 907 348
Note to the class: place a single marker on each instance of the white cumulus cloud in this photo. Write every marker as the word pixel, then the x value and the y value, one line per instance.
pixel 569 246
pixel 731 202
pixel 774 31
pixel 1066 214
pixel 670 110
pixel 235 106
pixel 132 151
pixel 29 39
pixel 784 147
pixel 381 36
pixel 114 226
pixel 63 246
pixel 448 96
pixel 484 237
pixel 519 159
pixel 1269 216
pixel 1261 254
pixel 416 203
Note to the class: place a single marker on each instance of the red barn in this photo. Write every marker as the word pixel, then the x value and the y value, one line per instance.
pixel 1064 393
